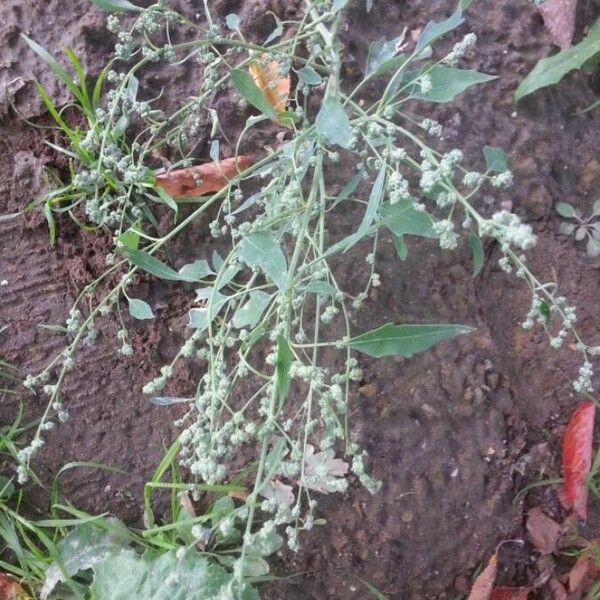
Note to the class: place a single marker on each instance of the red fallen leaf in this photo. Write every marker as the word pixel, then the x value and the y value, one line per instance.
pixel 202 179
pixel 510 593
pixel 583 575
pixel 542 531
pixel 559 19
pixel 577 458
pixel 484 584
pixel 11 590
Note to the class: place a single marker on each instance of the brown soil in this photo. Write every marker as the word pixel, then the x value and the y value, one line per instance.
pixel 453 433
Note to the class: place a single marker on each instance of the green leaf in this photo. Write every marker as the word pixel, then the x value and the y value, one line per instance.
pixel 232 21
pixel 116 5
pixel 309 76
pixel 282 367
pixel 152 265
pixel 59 71
pixel 199 318
pixel 192 577
pixel 552 69
pixel 404 340
pixel 401 248
pixel 374 591
pixel 464 4
pixel 381 54
pixel 403 218
pixel 167 199
pixel 349 188
pixel 139 309
pixel 261 250
pixel 477 251
pixel 250 313
pixel 495 159
pixel 369 216
pixel 448 82
pixel 593 247
pixel 129 239
pixel 333 122
pixel 195 271
pixel 83 548
pixel 564 209
pixel 251 92
pixel 433 31
pixel 322 288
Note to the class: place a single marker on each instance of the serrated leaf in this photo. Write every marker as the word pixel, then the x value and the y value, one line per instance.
pixel 433 31
pixel 448 82
pixel 245 85
pixel 250 313
pixel 552 69
pixel 333 122
pixel 495 159
pixel 403 218
pixel 564 209
pixel 282 367
pixel 191 577
pixel 116 5
pixel 381 54
pixel 309 76
pixel 232 21
pixel 139 309
pixel 83 548
pixel 477 252
pixel 404 340
pixel 261 250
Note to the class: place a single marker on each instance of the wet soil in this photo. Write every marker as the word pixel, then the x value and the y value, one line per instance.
pixel 454 433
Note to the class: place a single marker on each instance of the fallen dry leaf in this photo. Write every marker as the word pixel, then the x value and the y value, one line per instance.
pixel 559 19
pixel 484 584
pixel 577 458
pixel 557 589
pixel 202 179
pixel 583 575
pixel 542 531
pixel 11 590
pixel 266 76
pixel 510 593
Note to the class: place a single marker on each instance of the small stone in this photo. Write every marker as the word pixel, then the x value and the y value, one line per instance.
pixel 368 390
pixel 539 203
pixel 407 516
pixel 492 380
pixel 589 174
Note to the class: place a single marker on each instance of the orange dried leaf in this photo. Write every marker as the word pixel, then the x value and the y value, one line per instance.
pixel 577 458
pixel 266 76
pixel 202 179
pixel 484 584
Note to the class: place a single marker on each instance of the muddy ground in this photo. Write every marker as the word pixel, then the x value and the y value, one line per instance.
pixel 455 433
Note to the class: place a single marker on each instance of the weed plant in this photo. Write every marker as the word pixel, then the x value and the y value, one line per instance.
pixel 268 309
